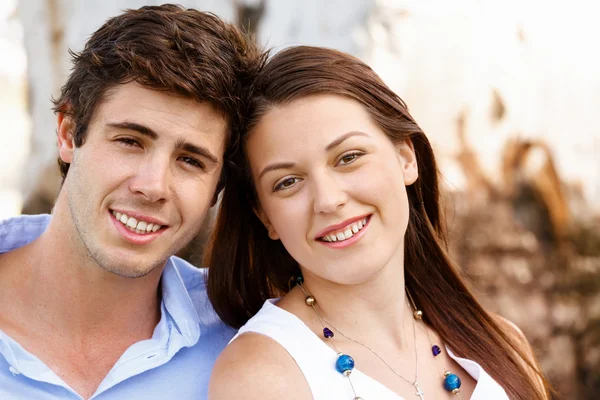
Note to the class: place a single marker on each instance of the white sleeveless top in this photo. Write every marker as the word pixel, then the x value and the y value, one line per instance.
pixel 316 360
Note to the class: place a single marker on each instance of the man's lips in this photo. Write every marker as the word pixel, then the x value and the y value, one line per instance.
pixel 135 235
pixel 140 217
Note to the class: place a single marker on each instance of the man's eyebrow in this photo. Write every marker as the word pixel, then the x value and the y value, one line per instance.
pixel 200 151
pixel 132 126
pixel 181 144
pixel 273 167
pixel 345 136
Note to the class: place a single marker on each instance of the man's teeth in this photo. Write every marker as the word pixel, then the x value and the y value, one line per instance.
pixel 134 225
pixel 346 233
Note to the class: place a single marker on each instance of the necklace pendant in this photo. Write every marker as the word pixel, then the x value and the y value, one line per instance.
pixel 419 392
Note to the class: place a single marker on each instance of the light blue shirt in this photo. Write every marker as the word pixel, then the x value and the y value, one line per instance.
pixel 174 364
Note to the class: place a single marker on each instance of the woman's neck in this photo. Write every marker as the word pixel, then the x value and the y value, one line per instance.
pixel 376 309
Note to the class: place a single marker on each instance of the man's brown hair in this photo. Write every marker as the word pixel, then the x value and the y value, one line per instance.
pixel 169 48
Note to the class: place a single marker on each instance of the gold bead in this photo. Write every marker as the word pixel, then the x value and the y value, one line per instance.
pixel 446 373
pixel 347 372
pixel 418 314
pixel 358 398
pixel 456 391
pixel 310 301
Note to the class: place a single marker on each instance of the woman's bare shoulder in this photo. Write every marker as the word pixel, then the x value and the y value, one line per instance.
pixel 519 339
pixel 255 366
pixel 515 334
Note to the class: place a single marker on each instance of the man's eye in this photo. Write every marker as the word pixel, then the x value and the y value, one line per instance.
pixel 128 142
pixel 285 184
pixel 192 161
pixel 350 157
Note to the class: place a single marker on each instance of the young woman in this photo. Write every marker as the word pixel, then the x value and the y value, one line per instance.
pixel 329 253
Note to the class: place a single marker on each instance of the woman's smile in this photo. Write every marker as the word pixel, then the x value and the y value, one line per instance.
pixel 350 233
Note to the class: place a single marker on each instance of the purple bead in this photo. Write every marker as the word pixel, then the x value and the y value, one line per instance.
pixel 436 350
pixel 327 333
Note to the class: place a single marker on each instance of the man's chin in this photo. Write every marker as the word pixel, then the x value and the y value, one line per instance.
pixel 131 269
pixel 132 272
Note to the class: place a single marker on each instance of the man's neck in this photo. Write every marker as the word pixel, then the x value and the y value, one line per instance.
pixel 73 315
pixel 55 285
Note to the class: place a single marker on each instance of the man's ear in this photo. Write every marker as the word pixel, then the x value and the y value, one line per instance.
pixel 265 221
pixel 408 160
pixel 65 131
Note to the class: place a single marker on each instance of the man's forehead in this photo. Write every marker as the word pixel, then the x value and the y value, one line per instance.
pixel 163 110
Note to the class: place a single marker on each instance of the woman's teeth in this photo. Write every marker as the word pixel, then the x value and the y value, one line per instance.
pixel 345 233
pixel 134 225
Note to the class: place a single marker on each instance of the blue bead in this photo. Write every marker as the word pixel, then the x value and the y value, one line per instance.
pixel 451 382
pixel 344 363
pixel 436 350
pixel 327 333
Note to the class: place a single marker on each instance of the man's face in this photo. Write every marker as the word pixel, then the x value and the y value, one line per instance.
pixel 140 186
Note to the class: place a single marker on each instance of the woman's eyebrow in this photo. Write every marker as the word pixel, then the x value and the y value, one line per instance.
pixel 272 167
pixel 345 136
pixel 335 143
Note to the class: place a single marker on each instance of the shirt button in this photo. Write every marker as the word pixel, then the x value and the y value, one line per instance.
pixel 14 371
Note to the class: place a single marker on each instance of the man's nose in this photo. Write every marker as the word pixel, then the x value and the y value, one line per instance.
pixel 152 179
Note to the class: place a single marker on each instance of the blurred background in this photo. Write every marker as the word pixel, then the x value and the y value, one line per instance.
pixel 507 91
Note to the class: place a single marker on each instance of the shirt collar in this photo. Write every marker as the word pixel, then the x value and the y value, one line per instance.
pixel 178 304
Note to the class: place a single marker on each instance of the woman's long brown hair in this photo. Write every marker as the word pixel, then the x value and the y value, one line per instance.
pixel 246 267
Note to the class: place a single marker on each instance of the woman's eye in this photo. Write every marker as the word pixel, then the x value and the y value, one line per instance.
pixel 285 184
pixel 349 158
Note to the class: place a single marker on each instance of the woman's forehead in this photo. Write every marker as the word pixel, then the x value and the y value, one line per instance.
pixel 312 116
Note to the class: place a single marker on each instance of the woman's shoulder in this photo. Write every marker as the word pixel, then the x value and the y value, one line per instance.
pixel 258 367
pixel 515 334
pixel 525 351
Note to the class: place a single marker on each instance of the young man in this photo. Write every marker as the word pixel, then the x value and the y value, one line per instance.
pixel 93 303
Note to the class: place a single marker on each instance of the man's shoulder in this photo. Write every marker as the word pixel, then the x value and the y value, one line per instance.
pixel 21 230
pixel 25 219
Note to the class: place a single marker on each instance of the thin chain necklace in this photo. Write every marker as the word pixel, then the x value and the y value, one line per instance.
pixel 452 382
pixel 414 382
pixel 345 363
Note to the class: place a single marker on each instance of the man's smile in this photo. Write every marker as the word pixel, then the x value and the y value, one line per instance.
pixel 139 225
pixel 137 229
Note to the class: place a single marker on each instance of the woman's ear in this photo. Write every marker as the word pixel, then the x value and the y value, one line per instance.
pixel 408 161
pixel 66 143
pixel 265 221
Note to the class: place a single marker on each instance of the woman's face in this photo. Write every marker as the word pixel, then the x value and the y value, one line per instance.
pixel 332 187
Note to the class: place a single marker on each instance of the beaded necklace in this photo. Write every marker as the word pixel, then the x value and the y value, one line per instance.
pixel 345 363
